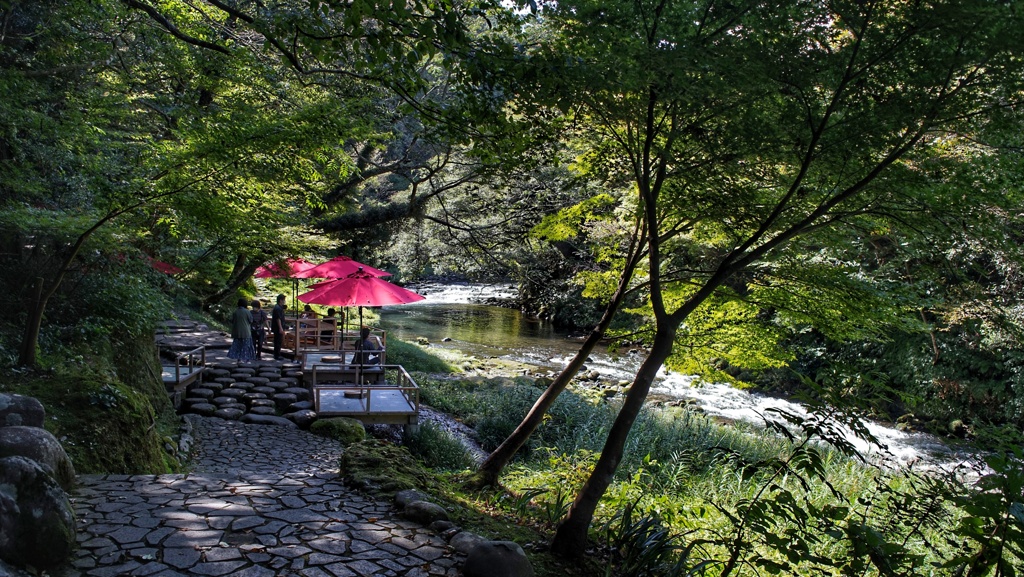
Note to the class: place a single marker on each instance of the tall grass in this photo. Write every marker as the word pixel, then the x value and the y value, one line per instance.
pixel 438 449
pixel 736 499
pixel 415 358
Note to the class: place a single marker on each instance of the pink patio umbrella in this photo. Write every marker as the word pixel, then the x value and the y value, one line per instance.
pixel 290 269
pixel 340 267
pixel 359 289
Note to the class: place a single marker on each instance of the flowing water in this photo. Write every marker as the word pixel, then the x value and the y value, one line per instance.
pixel 451 317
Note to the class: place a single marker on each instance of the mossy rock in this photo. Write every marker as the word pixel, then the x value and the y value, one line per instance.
pixel 138 366
pixel 379 467
pixel 342 429
pixel 104 425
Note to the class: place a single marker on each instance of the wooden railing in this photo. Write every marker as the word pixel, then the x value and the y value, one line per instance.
pixel 395 378
pixel 194 361
pixel 306 335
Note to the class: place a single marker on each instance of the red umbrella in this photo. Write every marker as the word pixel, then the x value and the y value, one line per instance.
pixel 340 267
pixel 291 268
pixel 164 267
pixel 359 289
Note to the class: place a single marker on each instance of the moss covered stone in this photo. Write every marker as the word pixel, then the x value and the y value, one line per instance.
pixel 342 429
pixel 104 425
pixel 381 467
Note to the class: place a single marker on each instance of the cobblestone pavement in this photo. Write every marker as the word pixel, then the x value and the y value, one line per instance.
pixel 261 501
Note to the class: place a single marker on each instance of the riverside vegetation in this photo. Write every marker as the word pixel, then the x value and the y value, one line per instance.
pixel 699 497
pixel 697 494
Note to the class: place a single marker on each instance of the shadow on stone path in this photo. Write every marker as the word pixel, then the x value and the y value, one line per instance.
pixel 261 501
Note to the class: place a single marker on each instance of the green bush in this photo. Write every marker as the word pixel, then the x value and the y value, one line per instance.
pixel 380 467
pixel 439 449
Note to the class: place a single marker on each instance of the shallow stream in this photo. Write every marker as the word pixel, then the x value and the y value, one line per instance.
pixel 451 317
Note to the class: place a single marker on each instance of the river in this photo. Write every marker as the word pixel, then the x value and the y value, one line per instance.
pixel 451 317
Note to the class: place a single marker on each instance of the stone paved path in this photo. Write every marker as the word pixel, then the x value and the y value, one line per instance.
pixel 261 501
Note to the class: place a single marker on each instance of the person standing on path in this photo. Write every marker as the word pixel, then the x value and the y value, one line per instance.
pixel 241 333
pixel 259 327
pixel 277 326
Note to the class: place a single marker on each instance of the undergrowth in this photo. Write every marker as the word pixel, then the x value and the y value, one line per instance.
pixel 696 497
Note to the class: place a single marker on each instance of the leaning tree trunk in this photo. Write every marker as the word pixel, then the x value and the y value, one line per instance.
pixel 490 470
pixel 571 536
pixel 242 271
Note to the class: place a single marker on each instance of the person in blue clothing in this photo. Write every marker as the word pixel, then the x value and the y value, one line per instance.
pixel 241 333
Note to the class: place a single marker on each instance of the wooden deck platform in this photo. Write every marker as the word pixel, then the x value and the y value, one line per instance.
pixel 371 393
pixel 186 368
pixel 371 405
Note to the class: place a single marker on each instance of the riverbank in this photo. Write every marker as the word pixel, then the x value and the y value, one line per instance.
pixel 684 471
pixel 606 379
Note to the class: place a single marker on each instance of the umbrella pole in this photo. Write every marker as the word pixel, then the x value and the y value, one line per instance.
pixel 362 346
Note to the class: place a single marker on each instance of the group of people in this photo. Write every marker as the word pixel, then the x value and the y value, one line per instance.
pixel 249 329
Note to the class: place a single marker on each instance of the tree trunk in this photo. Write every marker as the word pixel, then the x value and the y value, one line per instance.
pixel 27 354
pixel 571 536
pixel 241 273
pixel 490 470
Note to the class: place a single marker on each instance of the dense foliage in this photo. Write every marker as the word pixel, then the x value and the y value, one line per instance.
pixel 820 195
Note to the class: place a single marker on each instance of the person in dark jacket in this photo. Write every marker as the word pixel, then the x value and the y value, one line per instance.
pixel 277 325
pixel 259 327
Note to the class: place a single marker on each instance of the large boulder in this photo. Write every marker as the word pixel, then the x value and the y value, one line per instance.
pixel 21 410
pixel 497 559
pixel 424 512
pixel 403 498
pixel 304 419
pixel 37 522
pixel 42 447
pixel 464 542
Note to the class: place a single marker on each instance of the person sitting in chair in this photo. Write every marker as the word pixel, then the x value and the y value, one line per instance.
pixel 366 348
pixel 327 332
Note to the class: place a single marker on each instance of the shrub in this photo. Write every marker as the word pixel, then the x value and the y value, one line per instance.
pixel 439 449
pixel 104 425
pixel 380 467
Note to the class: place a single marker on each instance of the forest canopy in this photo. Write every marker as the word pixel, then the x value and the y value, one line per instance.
pixel 819 195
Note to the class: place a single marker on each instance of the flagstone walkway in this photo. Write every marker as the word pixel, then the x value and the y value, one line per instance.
pixel 261 501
